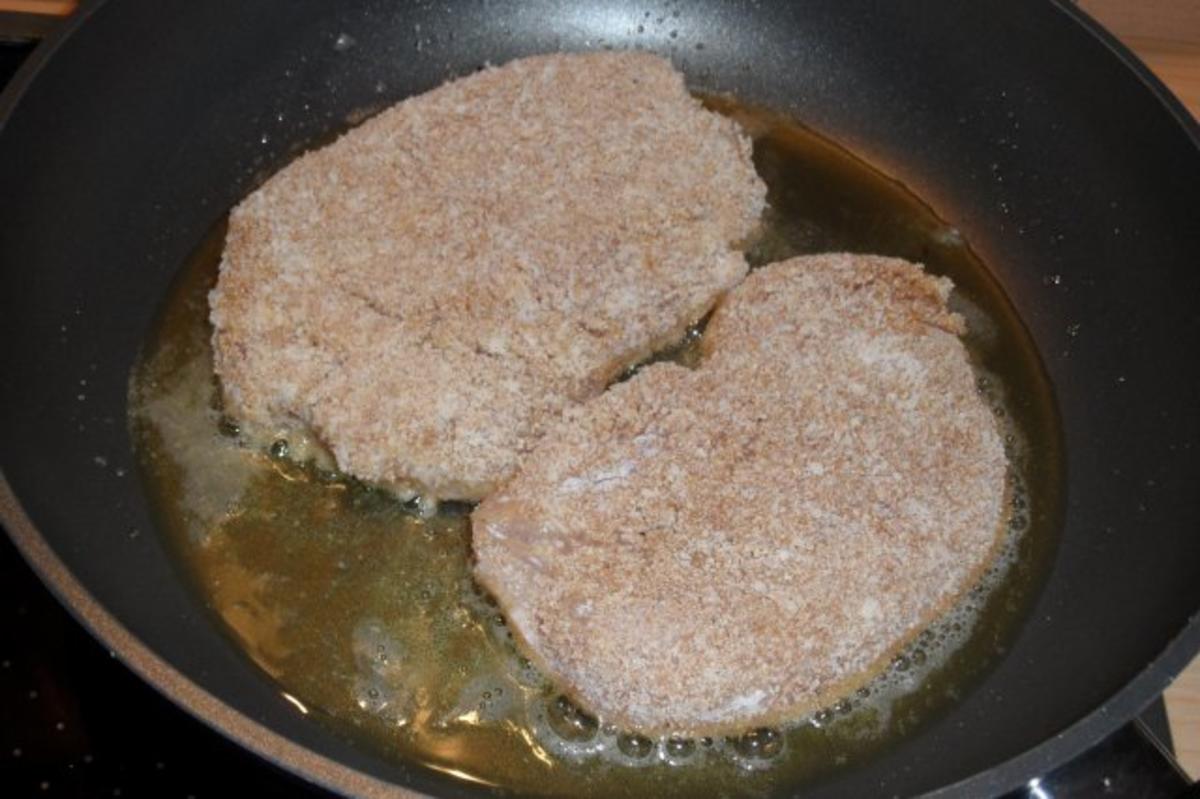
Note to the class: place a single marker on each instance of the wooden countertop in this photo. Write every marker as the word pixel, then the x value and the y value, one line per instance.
pixel 1166 35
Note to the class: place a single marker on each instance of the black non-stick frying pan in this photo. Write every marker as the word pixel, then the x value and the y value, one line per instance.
pixel 1070 169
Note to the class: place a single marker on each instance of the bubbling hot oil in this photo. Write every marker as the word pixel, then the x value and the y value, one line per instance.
pixel 364 610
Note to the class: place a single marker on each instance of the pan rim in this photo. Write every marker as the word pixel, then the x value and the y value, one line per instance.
pixel 253 736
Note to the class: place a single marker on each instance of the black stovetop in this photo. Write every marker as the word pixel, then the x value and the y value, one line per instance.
pixel 74 722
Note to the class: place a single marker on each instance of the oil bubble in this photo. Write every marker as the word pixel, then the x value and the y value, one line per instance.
pixel 679 748
pixel 569 722
pixel 762 743
pixel 633 745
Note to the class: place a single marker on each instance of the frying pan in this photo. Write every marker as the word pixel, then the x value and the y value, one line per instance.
pixel 1061 160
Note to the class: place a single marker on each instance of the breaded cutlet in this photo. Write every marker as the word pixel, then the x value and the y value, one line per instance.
pixel 426 295
pixel 702 551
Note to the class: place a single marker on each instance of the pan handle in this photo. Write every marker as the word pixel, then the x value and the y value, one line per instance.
pixel 1130 763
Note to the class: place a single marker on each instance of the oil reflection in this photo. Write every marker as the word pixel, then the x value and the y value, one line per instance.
pixel 296 702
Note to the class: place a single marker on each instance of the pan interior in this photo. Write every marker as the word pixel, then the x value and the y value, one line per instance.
pixel 366 616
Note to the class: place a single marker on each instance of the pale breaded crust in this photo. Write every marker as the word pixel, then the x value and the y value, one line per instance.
pixel 705 550
pixel 433 289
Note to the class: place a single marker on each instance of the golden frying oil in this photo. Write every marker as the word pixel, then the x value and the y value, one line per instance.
pixel 366 615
